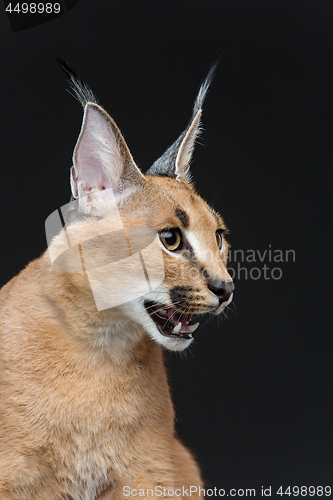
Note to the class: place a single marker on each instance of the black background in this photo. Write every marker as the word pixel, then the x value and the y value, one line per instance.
pixel 253 396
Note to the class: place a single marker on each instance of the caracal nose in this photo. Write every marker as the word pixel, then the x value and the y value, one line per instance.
pixel 223 289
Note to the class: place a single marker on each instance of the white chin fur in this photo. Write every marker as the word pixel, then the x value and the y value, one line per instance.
pixel 137 313
pixel 173 344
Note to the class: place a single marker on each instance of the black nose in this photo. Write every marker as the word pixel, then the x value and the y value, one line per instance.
pixel 223 289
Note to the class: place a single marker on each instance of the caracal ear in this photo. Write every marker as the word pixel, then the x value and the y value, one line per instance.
pixel 101 158
pixel 184 156
pixel 175 161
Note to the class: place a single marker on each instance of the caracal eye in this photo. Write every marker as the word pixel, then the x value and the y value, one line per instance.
pixel 171 239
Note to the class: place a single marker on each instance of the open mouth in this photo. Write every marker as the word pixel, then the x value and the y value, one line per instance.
pixel 170 322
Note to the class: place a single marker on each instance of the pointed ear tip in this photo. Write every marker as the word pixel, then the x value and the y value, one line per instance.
pixel 196 122
pixel 88 107
pixel 198 115
pixel 91 105
pixel 95 111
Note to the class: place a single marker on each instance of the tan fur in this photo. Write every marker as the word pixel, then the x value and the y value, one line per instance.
pixel 85 406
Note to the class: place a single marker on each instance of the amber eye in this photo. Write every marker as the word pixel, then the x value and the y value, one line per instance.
pixel 219 240
pixel 171 239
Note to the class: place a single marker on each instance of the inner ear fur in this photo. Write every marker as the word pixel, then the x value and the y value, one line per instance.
pixel 101 158
pixel 186 149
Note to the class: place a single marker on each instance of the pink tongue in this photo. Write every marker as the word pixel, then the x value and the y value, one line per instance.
pixel 175 317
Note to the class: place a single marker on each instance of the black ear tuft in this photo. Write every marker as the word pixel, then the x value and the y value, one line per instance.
pixel 165 166
pixel 204 87
pixel 81 91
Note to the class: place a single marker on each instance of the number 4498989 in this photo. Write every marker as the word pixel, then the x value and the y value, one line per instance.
pixel 305 491
pixel 34 8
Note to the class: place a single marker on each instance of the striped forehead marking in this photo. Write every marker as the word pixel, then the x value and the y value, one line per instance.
pixel 183 217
